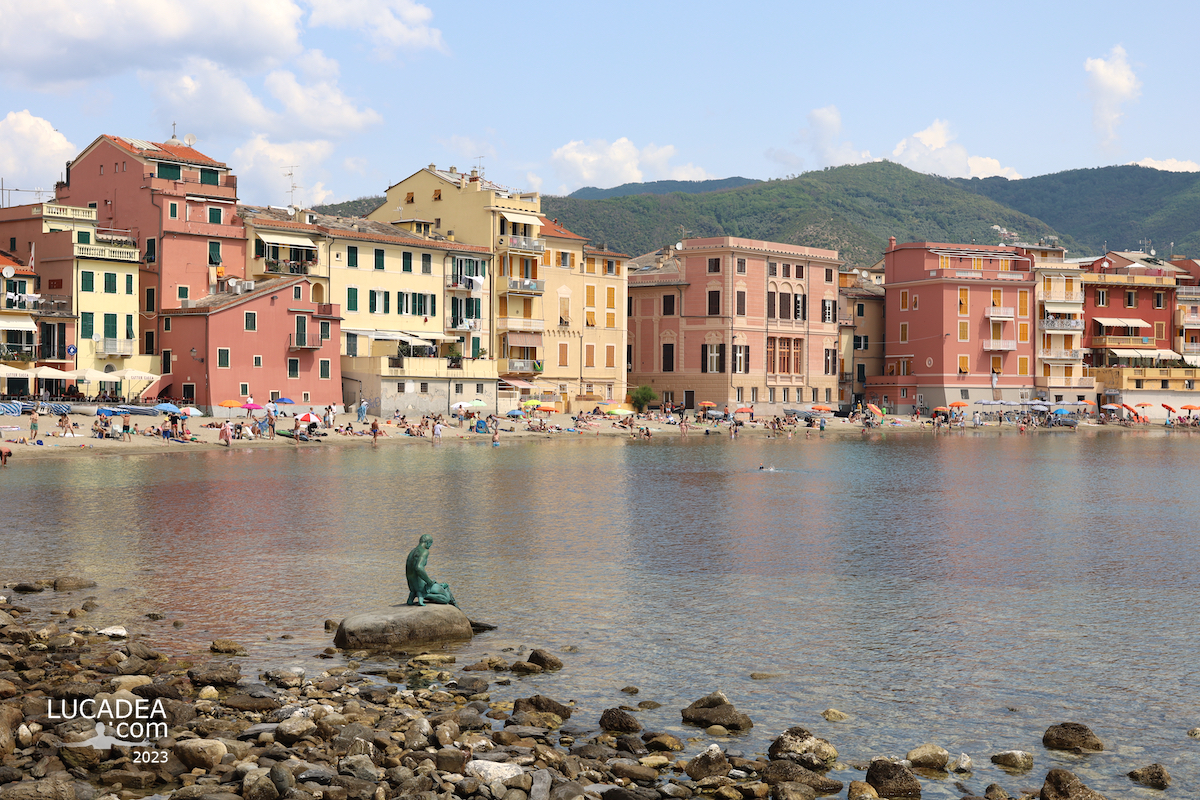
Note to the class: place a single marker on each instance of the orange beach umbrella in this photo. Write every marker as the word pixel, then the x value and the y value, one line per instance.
pixel 874 409
pixel 1089 402
pixel 1190 407
pixel 1144 405
pixel 708 403
pixel 821 408
pixel 958 404
pixel 744 411
pixel 230 404
pixel 1168 408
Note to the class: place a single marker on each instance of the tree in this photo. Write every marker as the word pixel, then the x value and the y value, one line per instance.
pixel 641 397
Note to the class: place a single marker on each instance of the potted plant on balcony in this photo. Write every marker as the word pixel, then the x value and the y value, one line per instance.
pixel 481 354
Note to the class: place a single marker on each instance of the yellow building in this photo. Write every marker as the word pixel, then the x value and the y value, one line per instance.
pixel 861 331
pixel 412 305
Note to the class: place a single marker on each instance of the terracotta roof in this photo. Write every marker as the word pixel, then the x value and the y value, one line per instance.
pixel 591 251
pixel 345 228
pixel 166 150
pixel 7 260
pixel 550 227
pixel 221 300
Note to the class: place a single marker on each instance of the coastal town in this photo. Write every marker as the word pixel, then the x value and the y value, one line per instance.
pixel 145 279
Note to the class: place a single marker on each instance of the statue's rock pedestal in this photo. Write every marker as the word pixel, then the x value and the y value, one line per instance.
pixel 403 627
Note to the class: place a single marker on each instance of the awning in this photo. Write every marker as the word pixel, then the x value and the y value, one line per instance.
pixel 1124 352
pixel 410 339
pixel 17 323
pixel 1063 308
pixel 520 219
pixel 1193 360
pixel 1170 355
pixel 524 340
pixel 437 337
pixel 286 239
pixel 1131 322
pixel 517 383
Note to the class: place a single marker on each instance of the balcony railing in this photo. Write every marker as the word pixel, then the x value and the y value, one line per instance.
pixel 526 286
pixel 1059 354
pixel 290 267
pixel 521 323
pixel 1061 296
pixel 1051 324
pixel 460 324
pixel 52 352
pixel 304 341
pixel 1189 319
pixel 1000 312
pixel 521 365
pixel 1122 341
pixel 1188 292
pixel 526 243
pixel 1065 381
pixel 114 347
pixel 16 352
pixel 222 180
pixel 464 283
pixel 999 344
pixel 107 253
pixel 55 211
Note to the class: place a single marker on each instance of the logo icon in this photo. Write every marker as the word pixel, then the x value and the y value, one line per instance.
pixel 102 741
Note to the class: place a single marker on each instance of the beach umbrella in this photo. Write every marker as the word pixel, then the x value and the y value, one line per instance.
pixel 308 417
pixel 131 374
pixel 108 412
pixel 168 408
pixel 814 408
pixel 48 372
pixel 707 404
pixel 287 401
pixel 874 409
pixel 1061 411
pixel 1168 408
pixel 1144 405
pixel 1128 407
pixel 7 371
pixel 532 403
pixel 90 375
pixel 941 408
pixel 191 411
pixel 477 403
pixel 1110 407
pixel 622 412
pixel 748 410
pixel 1088 403
pixel 463 404
pixel 516 412
pixel 1190 407
pixel 251 406
pixel 547 409
pixel 1040 407
pixel 958 404
pixel 230 404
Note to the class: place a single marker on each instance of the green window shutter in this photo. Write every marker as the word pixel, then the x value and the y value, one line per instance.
pixel 129 326
pixel 85 237
pixel 400 309
pixel 151 250
pixel 86 325
pixel 378 259
pixel 214 216
pixel 171 172
pixel 351 256
pixel 433 305
pixel 223 357
pixel 387 302
pixel 209 177
pixel 325 368
pixel 87 281
pixel 129 284
pixel 407 262
pixel 474 347
pixel 214 253
pixel 352 299
pixel 110 283
pixel 371 302
pixel 293 368
pixel 483 269
pixel 426 264
pixel 325 330
pixel 260 248
pixel 110 326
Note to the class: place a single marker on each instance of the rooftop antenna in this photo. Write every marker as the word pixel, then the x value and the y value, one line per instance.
pixel 479 166
pixel 291 176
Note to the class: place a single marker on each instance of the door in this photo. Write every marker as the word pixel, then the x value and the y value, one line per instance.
pixel 301 330
pixel 689 398
pixel 189 393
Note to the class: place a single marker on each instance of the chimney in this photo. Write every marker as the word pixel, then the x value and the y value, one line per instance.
pixel 474 174
pixel 450 236
pixel 453 170
pixel 432 167
pixel 891 243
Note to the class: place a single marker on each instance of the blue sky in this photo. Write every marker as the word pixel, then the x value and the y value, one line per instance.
pixel 555 96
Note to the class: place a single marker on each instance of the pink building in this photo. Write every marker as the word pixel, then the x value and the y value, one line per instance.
pixel 178 204
pixel 959 322
pixel 735 322
pixel 272 341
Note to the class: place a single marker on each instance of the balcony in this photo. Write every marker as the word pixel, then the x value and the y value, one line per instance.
pixel 21 353
pixel 519 366
pixel 1191 320
pixel 525 244
pixel 999 344
pixel 525 286
pixel 460 324
pixel 421 367
pixel 1065 381
pixel 521 323
pixel 845 321
pixel 108 347
pixel 1187 292
pixel 54 211
pixel 1122 341
pixel 1000 312
pixel 273 267
pixel 1051 324
pixel 226 185
pixel 1059 354
pixel 464 283
pixel 101 253
pixel 50 351
pixel 1123 378
pixel 305 341
pixel 1061 296
pixel 1187 348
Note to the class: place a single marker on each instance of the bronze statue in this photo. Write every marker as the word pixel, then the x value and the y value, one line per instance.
pixel 423 589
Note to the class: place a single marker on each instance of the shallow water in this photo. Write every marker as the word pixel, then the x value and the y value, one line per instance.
pixel 960 589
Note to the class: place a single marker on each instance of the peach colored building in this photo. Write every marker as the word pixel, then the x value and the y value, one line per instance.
pixel 735 322
pixel 959 326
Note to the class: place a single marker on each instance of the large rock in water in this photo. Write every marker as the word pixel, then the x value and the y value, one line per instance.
pixel 400 627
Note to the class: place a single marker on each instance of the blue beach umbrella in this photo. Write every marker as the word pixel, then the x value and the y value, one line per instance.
pixel 516 412
pixel 287 401
pixel 169 408
pixel 1061 411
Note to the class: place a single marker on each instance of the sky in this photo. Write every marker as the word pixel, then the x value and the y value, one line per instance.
pixel 352 96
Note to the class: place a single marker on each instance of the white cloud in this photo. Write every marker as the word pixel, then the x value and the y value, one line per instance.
pixel 533 181
pixel 934 151
pixel 468 147
pixel 355 164
pixel 260 165
pixel 206 99
pixel 1169 165
pixel 605 164
pixel 319 108
pixel 1111 83
pixel 784 158
pixel 32 153
pixel 63 43
pixel 823 135
pixel 390 24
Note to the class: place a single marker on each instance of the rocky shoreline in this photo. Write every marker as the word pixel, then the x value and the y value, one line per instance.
pixel 425 727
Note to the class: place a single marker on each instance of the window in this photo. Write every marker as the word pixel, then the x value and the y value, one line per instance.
pixel 668 305
pixel 801 307
pixel 741 266
pixel 1131 298
pixel 151 250
pixel 244 389
pixel 714 265
pixel 611 297
pixel 167 324
pixel 799 270
pixel 563 354
pixel 170 172
pixel 173 210
pixel 426 264
pixel 964 301
pixel 214 216
pixel 458 388
pixel 87 322
pixel 208 177
pixel 714 358
pixel 110 283
pixel 1160 330
pixel 770 394
pixel 741 358
pixel 668 357
pixel 405 262
pixel 1159 301
pixel 828 311
pixel 251 321
pixel 223 357
pixel 1023 332
pixel 997 297
pixel 379 259
pixel 351 298
pixel 753 394
pixel 1023 303
pixel 741 304
pixel 1102 297
pixel 323 369
pixel 862 343
pixel 770 305
pixel 829 275
pixel 408 198
pixel 831 361
pixel 610 355
pixel 904 300
pixel 964 364
pixel 610 320
pixel 739 395
pixel 129 334
pixel 87 281
pixel 150 299
pixel 772 271
pixel 860 310
pixel 861 369
pixel 214 254
pixel 914 301
pixel 326 331
pixel 181 292
pixel 714 303
pixel 903 331
pixel 785 305
pixel 293 368
pixel 258 361
pixel 1023 365
pixel 964 331
pixel 352 256
pixel 296 293
pixel 589 355
pixel 424 387
pixel 787 270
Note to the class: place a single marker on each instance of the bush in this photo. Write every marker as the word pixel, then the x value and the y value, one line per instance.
pixel 641 397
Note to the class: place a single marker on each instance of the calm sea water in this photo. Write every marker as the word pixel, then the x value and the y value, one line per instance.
pixel 965 590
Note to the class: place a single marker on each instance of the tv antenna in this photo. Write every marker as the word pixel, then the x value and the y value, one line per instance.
pixel 291 176
pixel 479 166
pixel 189 139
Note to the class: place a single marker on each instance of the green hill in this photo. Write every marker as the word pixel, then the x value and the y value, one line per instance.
pixel 352 208
pixel 660 187
pixel 1118 205
pixel 853 209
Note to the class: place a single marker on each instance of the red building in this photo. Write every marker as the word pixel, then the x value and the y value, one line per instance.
pixel 1129 308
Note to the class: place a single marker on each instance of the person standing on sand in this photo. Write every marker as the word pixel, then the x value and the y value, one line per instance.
pixel 5 454
pixel 375 433
pixel 362 411
pixel 33 425
pixel 296 429
pixel 249 402
pixel 437 431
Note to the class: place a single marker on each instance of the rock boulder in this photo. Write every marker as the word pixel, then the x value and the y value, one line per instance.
pixel 715 709
pixel 892 780
pixel 403 626
pixel 1064 785
pixel 1072 736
